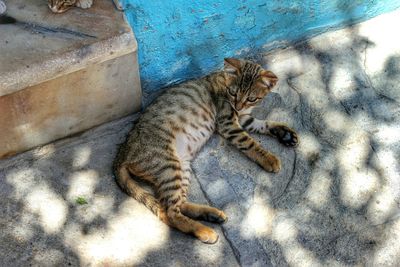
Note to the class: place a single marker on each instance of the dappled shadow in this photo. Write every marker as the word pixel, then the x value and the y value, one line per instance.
pixel 337 199
pixel 335 202
pixel 43 223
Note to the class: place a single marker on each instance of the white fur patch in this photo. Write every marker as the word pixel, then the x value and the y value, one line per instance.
pixel 189 143
pixel 84 3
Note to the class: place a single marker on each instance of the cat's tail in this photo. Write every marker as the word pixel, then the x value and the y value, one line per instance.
pixel 133 189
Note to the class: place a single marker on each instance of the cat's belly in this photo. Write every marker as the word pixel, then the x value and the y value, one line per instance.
pixel 190 141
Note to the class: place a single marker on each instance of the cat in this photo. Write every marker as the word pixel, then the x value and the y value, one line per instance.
pixel 172 129
pixel 60 6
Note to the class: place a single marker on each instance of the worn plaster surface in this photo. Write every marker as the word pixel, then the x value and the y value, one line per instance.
pixel 334 203
pixel 185 39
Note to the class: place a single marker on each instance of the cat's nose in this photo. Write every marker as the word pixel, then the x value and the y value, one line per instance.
pixel 238 106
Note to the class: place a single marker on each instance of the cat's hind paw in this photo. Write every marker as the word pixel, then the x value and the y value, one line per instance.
pixel 206 235
pixel 215 216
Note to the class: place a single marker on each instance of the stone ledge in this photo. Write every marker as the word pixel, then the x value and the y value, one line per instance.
pixel 42 46
pixel 61 74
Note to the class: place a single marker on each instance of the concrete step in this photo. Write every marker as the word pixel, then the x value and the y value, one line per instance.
pixel 61 74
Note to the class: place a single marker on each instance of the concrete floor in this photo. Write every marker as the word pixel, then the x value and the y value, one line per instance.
pixel 335 202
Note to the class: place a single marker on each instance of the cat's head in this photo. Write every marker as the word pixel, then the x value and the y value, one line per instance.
pixel 247 83
pixel 60 6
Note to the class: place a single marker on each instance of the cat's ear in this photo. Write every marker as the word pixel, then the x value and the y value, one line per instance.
pixel 268 78
pixel 232 66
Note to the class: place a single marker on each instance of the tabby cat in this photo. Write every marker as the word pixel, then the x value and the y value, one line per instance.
pixel 177 124
pixel 60 6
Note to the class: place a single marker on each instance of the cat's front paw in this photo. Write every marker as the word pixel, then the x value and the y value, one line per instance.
pixel 271 163
pixel 84 3
pixel 285 135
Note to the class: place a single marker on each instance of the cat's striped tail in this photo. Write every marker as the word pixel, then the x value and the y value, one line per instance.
pixel 133 189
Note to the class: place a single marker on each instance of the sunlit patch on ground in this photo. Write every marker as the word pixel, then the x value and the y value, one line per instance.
pixel 81 157
pixel 82 183
pixel 336 201
pixel 319 191
pixel 258 221
pixel 125 238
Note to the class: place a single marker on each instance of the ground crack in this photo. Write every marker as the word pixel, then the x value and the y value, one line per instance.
pixel 293 87
pixel 345 108
pixel 369 81
pixel 53 30
pixel 278 198
pixel 236 252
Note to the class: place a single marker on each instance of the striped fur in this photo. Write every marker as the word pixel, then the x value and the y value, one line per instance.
pixel 178 123
pixel 60 6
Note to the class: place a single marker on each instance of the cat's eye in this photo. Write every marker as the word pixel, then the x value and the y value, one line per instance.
pixel 232 91
pixel 252 99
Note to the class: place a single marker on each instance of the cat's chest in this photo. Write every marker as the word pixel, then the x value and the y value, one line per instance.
pixel 194 135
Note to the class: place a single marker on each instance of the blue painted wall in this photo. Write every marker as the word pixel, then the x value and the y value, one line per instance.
pixel 182 39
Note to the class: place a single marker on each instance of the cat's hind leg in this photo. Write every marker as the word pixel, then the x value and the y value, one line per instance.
pixel 128 184
pixel 187 225
pixel 172 191
pixel 197 211
pixel 203 212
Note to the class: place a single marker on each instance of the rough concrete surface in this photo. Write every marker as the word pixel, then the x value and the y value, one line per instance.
pixel 334 203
